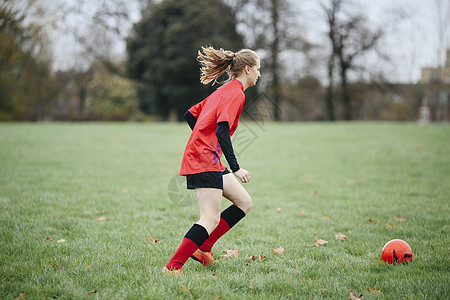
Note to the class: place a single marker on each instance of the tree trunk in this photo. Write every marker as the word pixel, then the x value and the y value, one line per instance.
pixel 275 49
pixel 82 99
pixel 329 96
pixel 346 99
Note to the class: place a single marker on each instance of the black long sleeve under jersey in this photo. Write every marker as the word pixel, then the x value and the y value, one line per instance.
pixel 190 119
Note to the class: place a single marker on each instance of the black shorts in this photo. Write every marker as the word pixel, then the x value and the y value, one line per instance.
pixel 210 179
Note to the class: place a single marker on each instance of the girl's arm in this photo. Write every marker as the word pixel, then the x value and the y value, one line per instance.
pixel 223 136
pixel 190 119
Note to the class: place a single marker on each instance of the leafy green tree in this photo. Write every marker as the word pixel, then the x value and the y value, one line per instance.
pixel 110 97
pixel 26 84
pixel 163 49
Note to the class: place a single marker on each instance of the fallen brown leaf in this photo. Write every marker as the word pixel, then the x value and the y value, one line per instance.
pixel 184 288
pixel 278 209
pixel 217 297
pixel 340 236
pixel 152 240
pixel 325 217
pixel 322 290
pixel 279 250
pixel 257 257
pixel 303 213
pixel 353 296
pixel 374 290
pixel 101 219
pixel 124 190
pixel 371 221
pixel 22 296
pixel 351 181
pixel 230 253
pixel 388 225
pixel 316 192
pixel 93 291
pixel 318 243
pixel 61 241
pixel 400 219
pixel 48 239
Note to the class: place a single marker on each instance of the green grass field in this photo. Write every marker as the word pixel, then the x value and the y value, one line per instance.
pixel 103 189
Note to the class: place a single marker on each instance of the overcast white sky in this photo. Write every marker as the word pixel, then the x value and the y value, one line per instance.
pixel 411 43
pixel 414 42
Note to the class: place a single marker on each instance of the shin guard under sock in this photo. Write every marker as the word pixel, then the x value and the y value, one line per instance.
pixel 228 218
pixel 193 239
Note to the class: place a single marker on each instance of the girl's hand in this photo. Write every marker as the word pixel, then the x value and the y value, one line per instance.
pixel 243 175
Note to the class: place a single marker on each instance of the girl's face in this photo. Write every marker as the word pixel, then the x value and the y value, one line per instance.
pixel 253 73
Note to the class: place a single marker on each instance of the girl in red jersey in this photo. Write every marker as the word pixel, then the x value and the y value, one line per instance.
pixel 213 121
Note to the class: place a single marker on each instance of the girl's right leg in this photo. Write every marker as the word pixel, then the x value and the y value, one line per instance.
pixel 209 200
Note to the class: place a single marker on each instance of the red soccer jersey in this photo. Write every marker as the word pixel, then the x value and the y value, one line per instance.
pixel 203 151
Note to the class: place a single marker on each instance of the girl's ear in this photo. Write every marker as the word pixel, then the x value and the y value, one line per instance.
pixel 247 69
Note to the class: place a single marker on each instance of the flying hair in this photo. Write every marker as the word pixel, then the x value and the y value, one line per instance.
pixel 216 62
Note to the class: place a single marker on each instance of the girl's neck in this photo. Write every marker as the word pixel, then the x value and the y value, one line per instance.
pixel 242 81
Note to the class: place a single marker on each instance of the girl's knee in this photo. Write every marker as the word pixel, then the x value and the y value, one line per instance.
pixel 209 222
pixel 246 204
pixel 214 221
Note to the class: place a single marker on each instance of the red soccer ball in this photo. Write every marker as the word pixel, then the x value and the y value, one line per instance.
pixel 396 251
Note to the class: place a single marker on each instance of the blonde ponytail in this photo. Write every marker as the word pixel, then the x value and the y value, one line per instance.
pixel 215 62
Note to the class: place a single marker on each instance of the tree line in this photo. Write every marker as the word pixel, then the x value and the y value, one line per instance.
pixel 159 77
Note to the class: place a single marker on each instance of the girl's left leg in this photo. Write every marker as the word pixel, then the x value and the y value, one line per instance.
pixel 242 203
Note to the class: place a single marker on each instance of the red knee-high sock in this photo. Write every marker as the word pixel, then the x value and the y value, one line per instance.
pixel 195 237
pixel 228 219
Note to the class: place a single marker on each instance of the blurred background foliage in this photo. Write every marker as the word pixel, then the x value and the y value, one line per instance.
pixel 27 86
pixel 111 98
pixel 157 76
pixel 162 52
